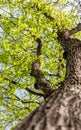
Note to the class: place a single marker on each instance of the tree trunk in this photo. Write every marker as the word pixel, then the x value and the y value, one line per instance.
pixel 61 110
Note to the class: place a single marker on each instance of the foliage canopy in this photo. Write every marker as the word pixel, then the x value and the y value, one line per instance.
pixel 21 23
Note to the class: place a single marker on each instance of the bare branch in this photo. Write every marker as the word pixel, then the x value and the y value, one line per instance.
pixel 56 2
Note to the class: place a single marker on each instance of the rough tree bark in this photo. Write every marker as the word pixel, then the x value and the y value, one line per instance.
pixel 61 109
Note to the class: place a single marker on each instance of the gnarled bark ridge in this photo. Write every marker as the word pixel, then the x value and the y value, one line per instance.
pixel 61 110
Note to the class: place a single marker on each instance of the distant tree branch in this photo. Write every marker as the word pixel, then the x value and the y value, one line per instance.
pixel 35 93
pixel 11 81
pixel 45 13
pixel 24 101
pixel 48 16
pixel 19 99
pixel 56 2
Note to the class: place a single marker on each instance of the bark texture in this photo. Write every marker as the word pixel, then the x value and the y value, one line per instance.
pixel 61 110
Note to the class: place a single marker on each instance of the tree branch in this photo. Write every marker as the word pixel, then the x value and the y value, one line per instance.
pixel 41 82
pixel 35 93
pixel 67 42
pixel 23 100
pixel 67 34
pixel 75 30
pixel 45 14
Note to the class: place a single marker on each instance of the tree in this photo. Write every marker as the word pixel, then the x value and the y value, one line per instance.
pixel 34 35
